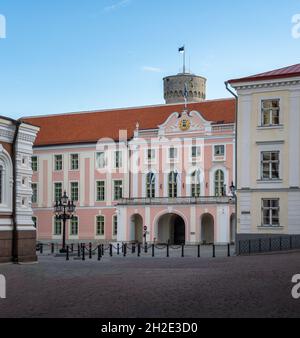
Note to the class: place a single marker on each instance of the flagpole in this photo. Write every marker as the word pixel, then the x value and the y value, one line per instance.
pixel 184 60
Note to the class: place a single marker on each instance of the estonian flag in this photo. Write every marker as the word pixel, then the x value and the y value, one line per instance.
pixel 181 49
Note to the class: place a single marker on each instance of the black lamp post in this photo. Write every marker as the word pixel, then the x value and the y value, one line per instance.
pixel 64 210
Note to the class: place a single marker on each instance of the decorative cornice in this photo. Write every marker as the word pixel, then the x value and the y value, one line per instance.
pixel 283 83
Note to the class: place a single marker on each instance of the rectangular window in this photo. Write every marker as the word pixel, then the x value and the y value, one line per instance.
pixel 151 154
pixel 270 165
pixel 100 226
pixel 219 150
pixel 270 213
pixel 196 190
pixel 58 162
pixel 118 159
pixel 57 227
pixel 57 191
pixel 100 160
pixel 115 225
pixel 34 193
pixel 34 220
pixel 74 226
pixel 34 164
pixel 74 161
pixel 101 191
pixel 75 191
pixel 118 190
pixel 172 153
pixel 196 152
pixel 270 112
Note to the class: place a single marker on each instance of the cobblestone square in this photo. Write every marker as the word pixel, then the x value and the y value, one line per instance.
pixel 257 286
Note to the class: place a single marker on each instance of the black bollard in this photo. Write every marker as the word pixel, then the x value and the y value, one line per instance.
pixel 153 248
pixel 182 250
pixel 67 256
pixel 41 248
pixel 102 248
pixel 90 250
pixel 133 249
pixel 99 253
pixel 52 248
pixel 110 250
pixel 83 252
pixel 214 251
pixel 146 247
pixel 118 249
pixel 228 250
pixel 124 250
pixel 78 248
pixel 168 252
pixel 199 251
pixel 139 250
pixel 72 247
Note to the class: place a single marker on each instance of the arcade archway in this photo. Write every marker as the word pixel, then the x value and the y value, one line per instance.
pixel 171 229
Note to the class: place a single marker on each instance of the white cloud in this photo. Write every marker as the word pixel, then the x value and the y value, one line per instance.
pixel 151 69
pixel 117 5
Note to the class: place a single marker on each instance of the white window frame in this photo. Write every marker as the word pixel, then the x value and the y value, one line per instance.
pixel 54 190
pixel 70 230
pixel 118 162
pixel 71 162
pixel 219 158
pixel 261 124
pixel 55 236
pixel 37 163
pixel 122 189
pixel 54 162
pixel 272 226
pixel 96 189
pixel 113 226
pixel 270 178
pixel 96 227
pixel 78 186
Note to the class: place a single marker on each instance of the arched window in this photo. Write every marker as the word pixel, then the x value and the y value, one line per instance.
pixel 150 185
pixel 219 183
pixel 196 184
pixel 6 181
pixel 173 184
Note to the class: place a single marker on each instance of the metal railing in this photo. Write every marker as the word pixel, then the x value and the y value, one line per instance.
pixel 177 201
pixel 268 244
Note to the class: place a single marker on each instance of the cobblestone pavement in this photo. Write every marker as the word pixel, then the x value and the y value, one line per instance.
pixel 257 286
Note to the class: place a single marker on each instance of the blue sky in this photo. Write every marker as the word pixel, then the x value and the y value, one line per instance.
pixel 65 55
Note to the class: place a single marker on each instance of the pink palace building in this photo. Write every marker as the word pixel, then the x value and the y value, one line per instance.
pixel 165 169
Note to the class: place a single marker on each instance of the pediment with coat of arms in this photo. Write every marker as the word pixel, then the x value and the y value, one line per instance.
pixel 184 123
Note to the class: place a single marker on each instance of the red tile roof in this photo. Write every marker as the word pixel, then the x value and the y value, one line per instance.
pixel 89 127
pixel 285 72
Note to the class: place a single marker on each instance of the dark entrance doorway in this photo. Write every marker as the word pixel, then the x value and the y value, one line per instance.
pixel 179 230
pixel 171 228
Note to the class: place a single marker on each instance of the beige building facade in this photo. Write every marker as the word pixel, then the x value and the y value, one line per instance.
pixel 268 154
